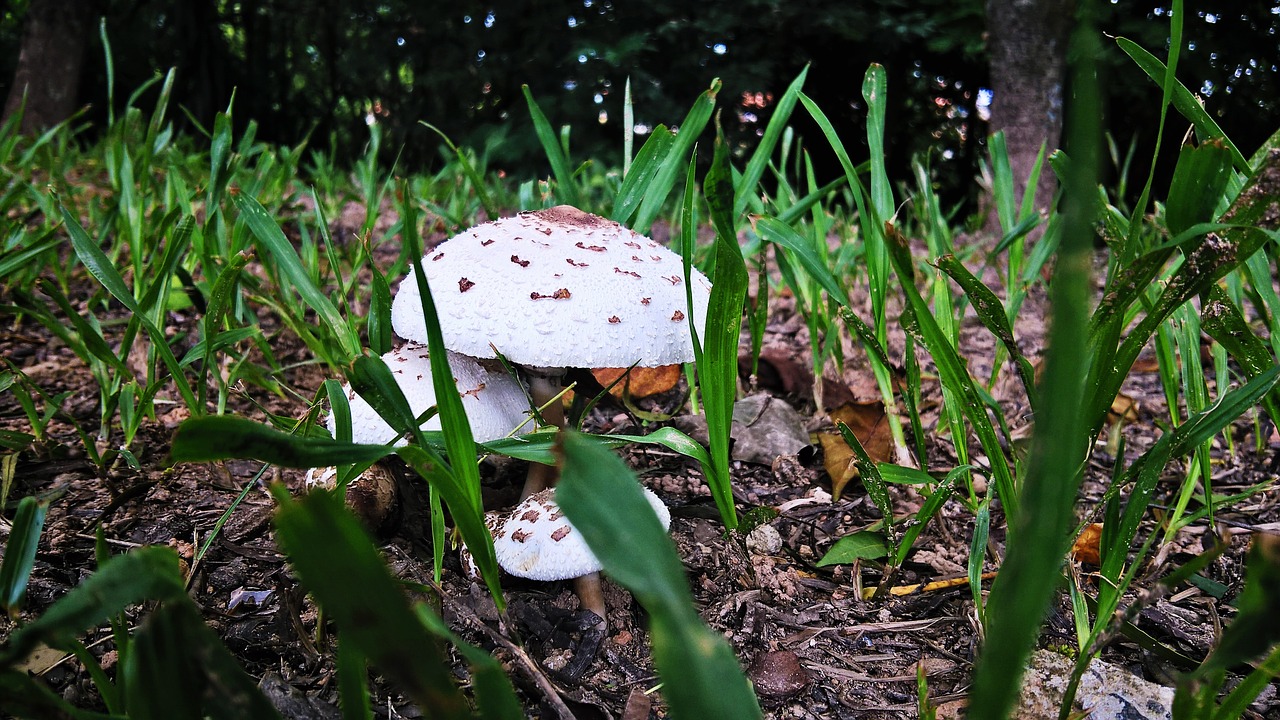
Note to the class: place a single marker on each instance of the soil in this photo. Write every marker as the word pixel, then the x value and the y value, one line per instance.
pixel 813 646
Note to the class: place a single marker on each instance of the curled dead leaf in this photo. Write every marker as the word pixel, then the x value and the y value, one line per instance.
pixel 1087 547
pixel 870 426
pixel 643 381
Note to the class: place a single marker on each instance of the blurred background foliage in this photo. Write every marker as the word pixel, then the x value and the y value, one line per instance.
pixel 321 69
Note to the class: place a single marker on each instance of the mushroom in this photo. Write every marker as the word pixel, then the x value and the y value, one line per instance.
pixel 555 289
pixel 536 541
pixel 494 402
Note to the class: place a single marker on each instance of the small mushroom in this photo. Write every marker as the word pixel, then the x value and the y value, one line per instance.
pixel 371 495
pixel 536 541
pixel 575 299
pixel 494 402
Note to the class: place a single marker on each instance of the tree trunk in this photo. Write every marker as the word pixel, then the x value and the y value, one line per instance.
pixel 1027 41
pixel 49 61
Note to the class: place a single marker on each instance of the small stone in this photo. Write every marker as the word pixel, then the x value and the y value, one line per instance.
pixel 778 674
pixel 764 540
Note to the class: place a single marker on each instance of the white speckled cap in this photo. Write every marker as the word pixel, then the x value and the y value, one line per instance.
pixel 494 402
pixel 538 542
pixel 557 288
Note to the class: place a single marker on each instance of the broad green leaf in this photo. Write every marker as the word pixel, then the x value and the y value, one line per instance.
pixel 701 677
pixel 853 548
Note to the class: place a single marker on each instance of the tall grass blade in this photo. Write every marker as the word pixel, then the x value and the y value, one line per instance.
pixel 718 372
pixel 280 250
pixel 566 187
pixel 600 496
pixel 1040 532
pixel 660 187
pixel 20 553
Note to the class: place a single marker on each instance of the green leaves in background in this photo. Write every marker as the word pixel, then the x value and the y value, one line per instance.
pixel 701 677
pixel 277 249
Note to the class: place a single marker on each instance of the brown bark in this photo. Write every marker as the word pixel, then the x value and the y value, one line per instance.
pixel 1027 42
pixel 49 61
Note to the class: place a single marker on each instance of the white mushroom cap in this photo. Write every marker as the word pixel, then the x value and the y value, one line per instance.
pixel 494 402
pixel 538 542
pixel 557 288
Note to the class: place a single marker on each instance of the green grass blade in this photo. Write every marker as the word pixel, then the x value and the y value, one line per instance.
pixel 222 437
pixel 20 552
pixel 991 312
pixel 338 563
pixel 653 154
pixel 600 496
pixel 148 573
pixel 785 236
pixel 277 247
pixel 718 372
pixel 100 266
pixel 750 179
pixel 871 479
pixel 1199 181
pixel 1222 321
pixel 477 182
pixel 459 442
pixel 353 682
pixel 953 374
pixel 660 187
pixel 1184 100
pixel 1039 534
pixel 566 186
pixel 177 669
pixel 495 698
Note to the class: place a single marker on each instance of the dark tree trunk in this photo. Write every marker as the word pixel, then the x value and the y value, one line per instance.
pixel 1027 41
pixel 49 62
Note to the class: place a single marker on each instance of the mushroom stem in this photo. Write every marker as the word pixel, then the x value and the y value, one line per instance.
pixel 545 390
pixel 591 596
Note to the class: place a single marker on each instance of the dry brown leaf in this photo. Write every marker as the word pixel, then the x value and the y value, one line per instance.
pixel 643 382
pixel 1123 408
pixel 1087 547
pixel 868 423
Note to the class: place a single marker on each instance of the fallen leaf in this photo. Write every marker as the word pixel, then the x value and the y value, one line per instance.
pixel 642 382
pixel 1123 408
pixel 1086 548
pixel 868 423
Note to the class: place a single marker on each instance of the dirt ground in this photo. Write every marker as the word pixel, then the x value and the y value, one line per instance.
pixel 813 647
